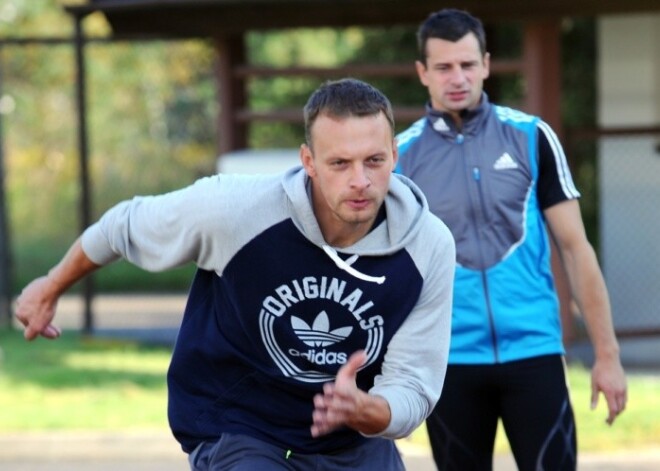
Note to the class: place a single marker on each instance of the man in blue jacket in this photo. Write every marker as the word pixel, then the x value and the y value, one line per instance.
pixel 496 176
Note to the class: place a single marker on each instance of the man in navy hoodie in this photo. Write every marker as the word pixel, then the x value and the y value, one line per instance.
pixel 317 325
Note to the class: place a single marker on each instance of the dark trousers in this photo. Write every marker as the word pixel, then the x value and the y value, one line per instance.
pixel 244 453
pixel 529 396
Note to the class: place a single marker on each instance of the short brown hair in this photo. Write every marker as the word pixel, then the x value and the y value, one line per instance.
pixel 344 98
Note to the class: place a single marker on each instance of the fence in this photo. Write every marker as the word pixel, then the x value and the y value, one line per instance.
pixel 620 170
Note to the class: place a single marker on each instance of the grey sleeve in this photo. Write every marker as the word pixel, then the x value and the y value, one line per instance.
pixel 204 223
pixel 416 360
pixel 155 232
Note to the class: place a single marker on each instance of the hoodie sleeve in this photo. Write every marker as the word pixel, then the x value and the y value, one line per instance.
pixel 194 224
pixel 416 360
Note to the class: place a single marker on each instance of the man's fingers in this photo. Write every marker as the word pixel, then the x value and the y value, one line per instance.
pixel 32 331
pixel 622 402
pixel 594 396
pixel 51 332
pixel 320 422
pixel 616 405
pixel 337 400
pixel 610 417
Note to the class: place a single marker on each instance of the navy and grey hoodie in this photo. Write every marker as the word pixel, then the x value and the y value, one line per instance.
pixel 273 311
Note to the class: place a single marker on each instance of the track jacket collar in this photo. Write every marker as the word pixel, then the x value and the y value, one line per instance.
pixel 444 124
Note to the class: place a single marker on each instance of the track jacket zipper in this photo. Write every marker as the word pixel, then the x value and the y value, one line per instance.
pixel 476 176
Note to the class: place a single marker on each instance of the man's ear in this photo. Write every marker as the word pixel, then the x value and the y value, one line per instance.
pixel 420 67
pixel 395 152
pixel 486 65
pixel 307 160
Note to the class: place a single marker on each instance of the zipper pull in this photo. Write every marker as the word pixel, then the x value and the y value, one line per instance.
pixel 460 138
pixel 476 174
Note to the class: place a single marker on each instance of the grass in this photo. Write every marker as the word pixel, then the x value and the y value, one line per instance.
pixel 77 383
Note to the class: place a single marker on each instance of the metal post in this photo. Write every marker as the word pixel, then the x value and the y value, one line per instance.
pixel 83 151
pixel 5 246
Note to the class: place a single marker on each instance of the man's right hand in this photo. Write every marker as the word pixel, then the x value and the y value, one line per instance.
pixel 35 309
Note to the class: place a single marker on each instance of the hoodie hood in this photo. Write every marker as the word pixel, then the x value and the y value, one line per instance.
pixel 404 206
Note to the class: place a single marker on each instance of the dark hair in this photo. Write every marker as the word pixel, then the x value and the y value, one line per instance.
pixel 345 98
pixel 451 25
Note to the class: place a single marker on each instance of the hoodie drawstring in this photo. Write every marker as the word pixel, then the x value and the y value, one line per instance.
pixel 332 253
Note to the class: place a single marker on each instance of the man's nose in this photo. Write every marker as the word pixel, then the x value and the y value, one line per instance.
pixel 457 75
pixel 359 178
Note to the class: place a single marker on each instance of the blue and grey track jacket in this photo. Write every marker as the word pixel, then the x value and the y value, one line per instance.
pixel 273 311
pixel 489 182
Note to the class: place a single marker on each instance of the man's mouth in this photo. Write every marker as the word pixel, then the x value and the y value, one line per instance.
pixel 458 96
pixel 359 203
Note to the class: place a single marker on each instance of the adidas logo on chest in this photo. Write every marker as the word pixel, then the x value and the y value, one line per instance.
pixel 505 162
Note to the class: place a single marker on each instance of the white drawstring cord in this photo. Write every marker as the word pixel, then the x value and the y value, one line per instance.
pixel 349 269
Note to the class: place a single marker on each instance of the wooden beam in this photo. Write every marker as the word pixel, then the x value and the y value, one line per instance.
pixel 201 18
pixel 542 70
pixel 232 133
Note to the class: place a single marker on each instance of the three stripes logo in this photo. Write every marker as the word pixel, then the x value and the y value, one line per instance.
pixel 505 162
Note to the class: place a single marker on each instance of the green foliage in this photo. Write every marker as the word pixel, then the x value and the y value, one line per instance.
pixel 394 45
pixel 121 276
pixel 34 260
pixel 33 18
pixel 303 47
pixel 319 47
pixel 152 114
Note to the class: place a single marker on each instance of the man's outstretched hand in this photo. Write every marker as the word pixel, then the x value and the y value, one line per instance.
pixel 35 309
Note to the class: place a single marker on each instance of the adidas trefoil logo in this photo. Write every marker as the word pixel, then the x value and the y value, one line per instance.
pixel 440 125
pixel 505 162
pixel 319 334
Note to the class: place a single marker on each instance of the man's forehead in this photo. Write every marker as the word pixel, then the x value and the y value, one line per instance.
pixel 468 44
pixel 327 117
pixel 327 129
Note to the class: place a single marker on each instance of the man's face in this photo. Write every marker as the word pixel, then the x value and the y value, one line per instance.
pixel 454 73
pixel 350 164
